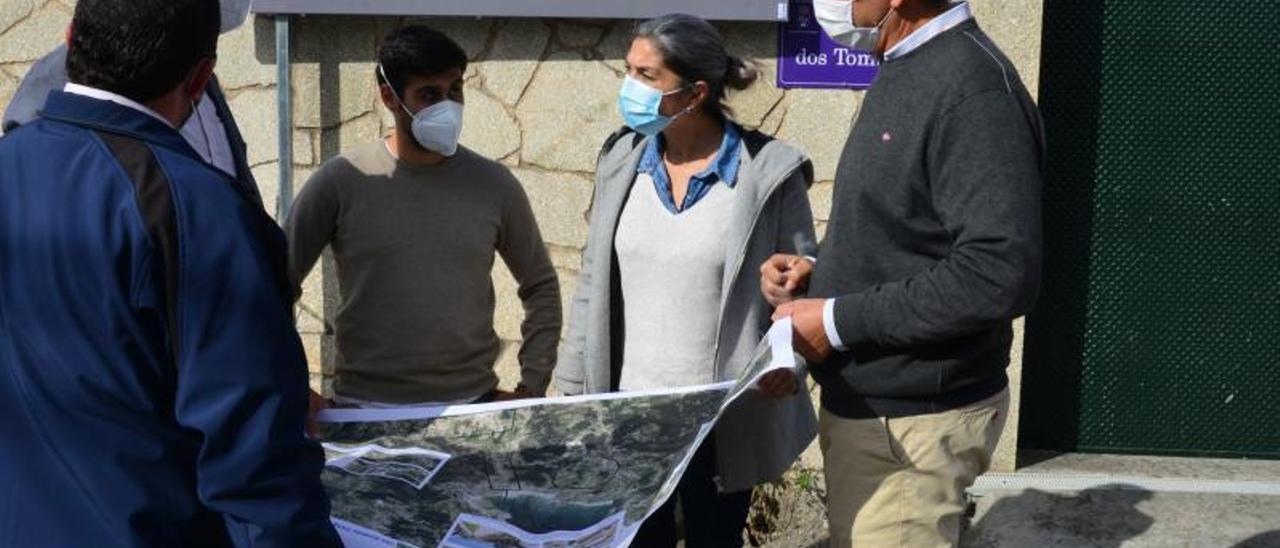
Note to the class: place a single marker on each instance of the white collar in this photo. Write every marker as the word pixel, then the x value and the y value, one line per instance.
pixel 958 13
pixel 103 95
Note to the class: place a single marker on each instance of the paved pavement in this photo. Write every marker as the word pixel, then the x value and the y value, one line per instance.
pixel 1096 501
pixel 1105 501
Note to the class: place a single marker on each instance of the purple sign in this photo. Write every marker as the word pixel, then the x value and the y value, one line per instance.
pixel 807 58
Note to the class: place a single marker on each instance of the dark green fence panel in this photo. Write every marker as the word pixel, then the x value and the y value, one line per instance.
pixel 1158 330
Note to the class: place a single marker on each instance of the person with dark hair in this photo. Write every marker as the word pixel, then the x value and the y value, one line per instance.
pixel 933 249
pixel 210 130
pixel 153 388
pixel 414 222
pixel 686 203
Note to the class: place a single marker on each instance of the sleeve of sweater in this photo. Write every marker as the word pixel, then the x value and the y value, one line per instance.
pixel 796 234
pixel 795 222
pixel 571 368
pixel 312 222
pixel 984 168
pixel 521 247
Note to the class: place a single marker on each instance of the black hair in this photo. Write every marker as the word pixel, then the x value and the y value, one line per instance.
pixel 141 49
pixel 694 50
pixel 420 50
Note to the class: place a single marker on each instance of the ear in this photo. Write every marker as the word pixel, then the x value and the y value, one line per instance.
pixel 198 78
pixel 389 99
pixel 701 94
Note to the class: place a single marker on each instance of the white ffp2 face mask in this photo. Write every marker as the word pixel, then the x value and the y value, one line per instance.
pixel 436 128
pixel 836 19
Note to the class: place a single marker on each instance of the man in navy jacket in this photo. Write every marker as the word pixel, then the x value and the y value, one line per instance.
pixel 153 391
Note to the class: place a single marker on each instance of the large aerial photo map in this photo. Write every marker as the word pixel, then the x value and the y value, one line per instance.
pixel 561 472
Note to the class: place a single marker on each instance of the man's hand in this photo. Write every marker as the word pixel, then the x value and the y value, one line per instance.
pixel 778 384
pixel 520 393
pixel 783 277
pixel 810 334
pixel 317 403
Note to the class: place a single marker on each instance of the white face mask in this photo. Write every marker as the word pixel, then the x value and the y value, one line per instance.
pixel 437 127
pixel 836 18
pixel 234 12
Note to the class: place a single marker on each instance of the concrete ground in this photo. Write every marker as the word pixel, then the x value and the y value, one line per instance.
pixel 1104 501
pixel 1091 501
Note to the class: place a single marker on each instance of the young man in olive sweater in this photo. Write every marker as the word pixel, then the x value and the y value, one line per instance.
pixel 932 251
pixel 414 222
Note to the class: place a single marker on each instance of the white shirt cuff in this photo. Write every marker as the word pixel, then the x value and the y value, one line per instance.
pixel 812 260
pixel 829 325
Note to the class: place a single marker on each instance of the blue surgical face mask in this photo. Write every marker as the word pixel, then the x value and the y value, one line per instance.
pixel 640 107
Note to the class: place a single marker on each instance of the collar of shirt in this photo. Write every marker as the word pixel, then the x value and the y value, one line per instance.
pixel 103 95
pixel 724 168
pixel 212 146
pixel 958 13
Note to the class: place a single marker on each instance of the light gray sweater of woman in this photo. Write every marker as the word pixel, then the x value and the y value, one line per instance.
pixel 758 438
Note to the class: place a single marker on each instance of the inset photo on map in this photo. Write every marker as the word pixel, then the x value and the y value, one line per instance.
pixel 409 465
pixel 602 535
pixel 477 532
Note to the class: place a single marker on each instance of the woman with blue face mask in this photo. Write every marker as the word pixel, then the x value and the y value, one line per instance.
pixel 687 204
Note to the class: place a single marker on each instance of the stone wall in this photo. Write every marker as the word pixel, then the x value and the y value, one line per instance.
pixel 540 98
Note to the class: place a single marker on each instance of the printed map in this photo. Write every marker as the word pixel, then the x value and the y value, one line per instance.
pixel 562 472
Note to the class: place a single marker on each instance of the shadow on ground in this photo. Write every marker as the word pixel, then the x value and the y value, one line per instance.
pixel 1265 540
pixel 1102 517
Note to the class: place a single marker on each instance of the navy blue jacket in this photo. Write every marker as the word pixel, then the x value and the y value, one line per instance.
pixel 153 390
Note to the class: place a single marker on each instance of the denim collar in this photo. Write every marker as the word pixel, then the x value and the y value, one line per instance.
pixel 724 168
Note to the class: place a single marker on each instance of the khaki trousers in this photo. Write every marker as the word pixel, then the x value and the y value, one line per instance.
pixel 901 481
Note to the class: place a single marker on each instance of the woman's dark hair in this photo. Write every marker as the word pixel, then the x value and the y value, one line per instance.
pixel 141 49
pixel 420 50
pixel 694 50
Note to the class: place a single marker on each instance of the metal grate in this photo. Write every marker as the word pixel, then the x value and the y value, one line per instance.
pixel 1159 326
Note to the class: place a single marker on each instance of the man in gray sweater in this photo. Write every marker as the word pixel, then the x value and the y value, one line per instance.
pixel 932 251
pixel 414 222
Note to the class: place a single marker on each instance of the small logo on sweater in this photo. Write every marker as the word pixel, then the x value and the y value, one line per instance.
pixel 886 137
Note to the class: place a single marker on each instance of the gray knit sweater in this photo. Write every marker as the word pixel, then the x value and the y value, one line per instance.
pixel 934 242
pixel 414 247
